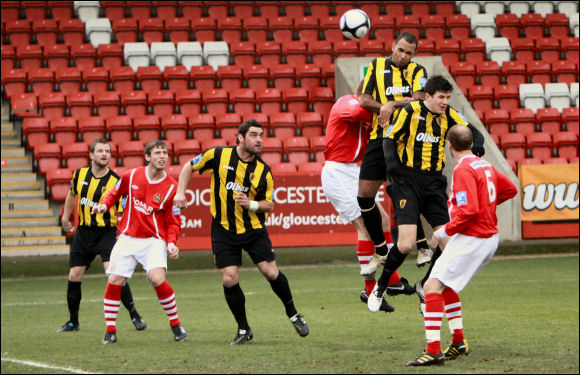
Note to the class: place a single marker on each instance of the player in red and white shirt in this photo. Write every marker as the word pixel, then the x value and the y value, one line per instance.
pixel 476 190
pixel 347 133
pixel 149 231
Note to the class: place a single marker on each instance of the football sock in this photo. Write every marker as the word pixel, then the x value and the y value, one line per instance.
pixel 73 298
pixel 388 237
pixel 436 255
pixel 453 314
pixel 393 262
pixel 395 278
pixel 370 283
pixel 281 287
pixel 166 297
pixel 127 299
pixel 373 222
pixel 112 303
pixel 237 304
pixel 421 240
pixel 365 251
pixel 433 317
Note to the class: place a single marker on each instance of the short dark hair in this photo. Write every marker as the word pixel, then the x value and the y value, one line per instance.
pixel 410 38
pixel 96 141
pixel 154 143
pixel 460 137
pixel 437 83
pixel 245 126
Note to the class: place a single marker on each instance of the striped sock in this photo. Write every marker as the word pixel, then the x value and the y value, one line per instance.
pixel 111 304
pixel 433 317
pixel 453 314
pixel 167 299
pixel 365 251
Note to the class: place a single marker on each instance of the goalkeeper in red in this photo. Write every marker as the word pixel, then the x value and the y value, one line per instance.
pixel 476 190
pixel 149 232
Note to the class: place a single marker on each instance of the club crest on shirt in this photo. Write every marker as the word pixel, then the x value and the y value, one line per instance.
pixel 402 203
pixel 157 198
pixel 103 190
pixel 252 175
pixel 405 74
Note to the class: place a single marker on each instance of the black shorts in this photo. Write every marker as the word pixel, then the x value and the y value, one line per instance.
pixel 373 164
pixel 418 193
pixel 227 246
pixel 88 242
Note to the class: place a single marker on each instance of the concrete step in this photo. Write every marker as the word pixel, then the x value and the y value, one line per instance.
pixel 35 213
pixel 34 250
pixel 19 177
pixel 11 143
pixel 9 134
pixel 7 126
pixel 9 205
pixel 30 222
pixel 33 241
pixel 12 151
pixel 31 232
pixel 23 168
pixel 20 186
pixel 17 160
pixel 23 195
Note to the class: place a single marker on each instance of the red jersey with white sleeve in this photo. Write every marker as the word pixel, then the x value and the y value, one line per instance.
pixel 476 190
pixel 347 131
pixel 149 211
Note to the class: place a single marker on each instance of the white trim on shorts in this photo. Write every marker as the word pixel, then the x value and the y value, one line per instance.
pixel 128 251
pixel 463 257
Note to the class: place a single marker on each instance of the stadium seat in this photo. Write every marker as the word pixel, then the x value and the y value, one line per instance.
pixel 52 105
pixel 203 77
pixel 64 130
pixel 523 49
pixel 483 26
pixel 549 120
pixel 433 26
pixel 557 95
pixel 217 9
pixel 574 94
pixel 84 55
pixel 374 48
pixel 514 145
pixel 518 7
pixel 529 161
pixel 309 76
pixel 281 28
pixel 140 9
pixel 76 155
pixel 30 56
pixel 256 76
pixel 166 9
pixel 14 82
pixel 497 121
pixel 498 49
pixel 206 144
pixel 216 53
pixel 72 31
pixel 567 7
pixel 230 29
pixel 25 105
pixel 177 29
pixel 150 78
pixel 107 103
pixel 243 54
pixel 540 144
pixel 215 100
pixel 533 25
pixel 567 144
pixel 269 53
pixel 570 118
pixel 296 99
pixel 383 27
pixel 269 100
pixel 132 153
pixel 136 55
pixel 557 24
pixel 161 102
pixel 307 28
pixel 532 96
pixel 570 48
pixel 123 79
pixel 202 126
pixel 448 49
pixel 507 96
pixel 408 23
pixel 177 78
pixel 86 10
pixel 523 120
pixel 464 74
pixel 345 48
pixel 272 151
pixel 147 127
pixel 41 80
pixel 119 128
pixel 473 49
pixel 47 156
pixel 309 124
pixel 481 97
pixel 34 10
pixel 459 26
pixel 58 183
pixel 96 80
pixel 514 72
pixel 469 8
pixel 329 26
pixel 297 149
pixel 539 71
pixel 295 53
pixel 203 28
pixel 18 31
pixel 508 25
pixel 544 7
pixel 98 31
pixel 8 57
pixel 489 73
pixel 134 102
pixel 227 124
pixel 555 161
pixel 69 80
pixel 10 10
pixel 283 125
pixel 320 52
pixel 163 54
pixel 283 168
pixel 322 99
pixel 242 101
pixel 188 101
pixel 174 127
pixel 35 131
pixel 282 76
pixel 256 30
pixel 564 71
pixel 91 128
pixel 185 150
pixel 151 29
pixel 230 76
pixel 46 31
pixel 317 146
pixel 126 30
pixel 61 10
pixel 262 118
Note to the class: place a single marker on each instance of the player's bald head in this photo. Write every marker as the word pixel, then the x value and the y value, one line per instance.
pixel 460 138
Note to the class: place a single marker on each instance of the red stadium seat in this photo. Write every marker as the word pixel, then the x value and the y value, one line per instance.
pixel 309 76
pixel 47 156
pixel 10 10
pixel 147 127
pixel 114 9
pixel 317 147
pixel 262 118
pixel 96 80
pixel 330 28
pixel 126 30
pixel 140 9
pixel 508 25
pixel 132 154
pixel 18 31
pixel 151 29
pixel 372 48
pixel 564 71
pixel 243 53
pixel 464 74
pixel 433 26
pixel 58 183
pixel 217 9
pixel 177 77
pixel 150 78
pixel 570 118
pixel 60 10
pixel 549 120
pixel 255 30
pixel 242 101
pixel 529 161
pixel 174 127
pixel 283 76
pixel 76 154
pixel 444 7
pixel 448 49
pixel 294 9
pixel 320 52
pixel 107 103
pixel 283 125
pixel 570 48
pixel 35 131
pixel 191 9
pixel 123 79
pixel 215 101
pixel 395 8
pixel 507 96
pixel 46 31
pixel 297 149
pixel 346 48
pixel 489 73
pixel 206 144
pixel 134 102
pixel 269 52
pixel 539 71
pixel 230 28
pixel 567 144
pixel 513 145
pixel 202 126
pixel 256 76
pixel 84 55
pixel 269 9
pixel 203 77
pixel 533 25
pixel 269 100
pixel 555 161
pixel 64 130
pixel 243 9
pixel 272 151
pixel 548 49
pixel 188 101
pixel 371 8
pixel 281 28
pixel 8 57
pixel 227 124
pixel 14 82
pixel 295 53
pixel 282 168
pixel 426 47
pixel 540 144
pixel 186 149
pixel 523 120
pixel 30 56
pixel 322 99
pixel 25 105
pixel 52 105
pixel 230 76
pixel 69 80
pixel 91 128
pixel 481 97
pixel 420 8
pixel 514 72
pixel 523 49
pixel 311 167
pixel 120 128
pixel 309 124
pixel 161 102
pixel 177 29
pixel 497 121
pixel 34 10
pixel 41 80
pixel 296 99
pixel 459 26
pixel 204 28
pixel 306 28
pixel 408 23
pixel 473 49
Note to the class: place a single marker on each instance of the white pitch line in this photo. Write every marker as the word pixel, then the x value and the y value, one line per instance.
pixel 47 366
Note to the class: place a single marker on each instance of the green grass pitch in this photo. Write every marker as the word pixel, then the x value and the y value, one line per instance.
pixel 520 316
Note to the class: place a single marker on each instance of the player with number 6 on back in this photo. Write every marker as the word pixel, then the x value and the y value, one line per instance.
pixel 149 230
pixel 476 190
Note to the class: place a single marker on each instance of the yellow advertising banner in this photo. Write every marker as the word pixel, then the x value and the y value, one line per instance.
pixel 549 192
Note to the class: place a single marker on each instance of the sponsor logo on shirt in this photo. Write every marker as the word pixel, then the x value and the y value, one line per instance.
pixel 135 187
pixel 385 71
pixel 85 183
pixel 236 187
pixel 419 118
pixel 87 202
pixel 228 167
pixel 461 198
pixel 394 90
pixel 142 207
pixel 426 138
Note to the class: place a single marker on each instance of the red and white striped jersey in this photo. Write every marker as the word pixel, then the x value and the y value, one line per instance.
pixel 476 190
pixel 347 131
pixel 149 211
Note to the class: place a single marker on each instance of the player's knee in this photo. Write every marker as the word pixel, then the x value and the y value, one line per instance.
pixel 365 204
pixel 229 279
pixel 75 274
pixel 405 246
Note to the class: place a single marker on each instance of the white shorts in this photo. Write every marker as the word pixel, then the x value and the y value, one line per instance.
pixel 340 185
pixel 128 251
pixel 463 257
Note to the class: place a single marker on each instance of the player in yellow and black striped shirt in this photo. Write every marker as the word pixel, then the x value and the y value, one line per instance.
pixel 96 234
pixel 241 197
pixel 414 149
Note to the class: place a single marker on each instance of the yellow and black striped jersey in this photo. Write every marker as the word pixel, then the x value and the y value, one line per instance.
pixel 231 175
pixel 385 82
pixel 419 135
pixel 90 191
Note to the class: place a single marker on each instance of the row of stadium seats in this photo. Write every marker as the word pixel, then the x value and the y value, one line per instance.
pixel 539 145
pixel 524 121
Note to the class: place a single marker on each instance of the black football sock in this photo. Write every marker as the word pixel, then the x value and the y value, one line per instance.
pixel 436 255
pixel 73 298
pixel 393 262
pixel 421 240
pixel 373 222
pixel 281 287
pixel 127 299
pixel 237 303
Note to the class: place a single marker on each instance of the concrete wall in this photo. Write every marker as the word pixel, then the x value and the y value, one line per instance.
pixel 348 75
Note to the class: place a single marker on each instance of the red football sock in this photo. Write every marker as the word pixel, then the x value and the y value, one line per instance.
pixel 111 305
pixel 167 299
pixel 453 313
pixel 388 237
pixel 433 317
pixel 365 251
pixel 395 278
